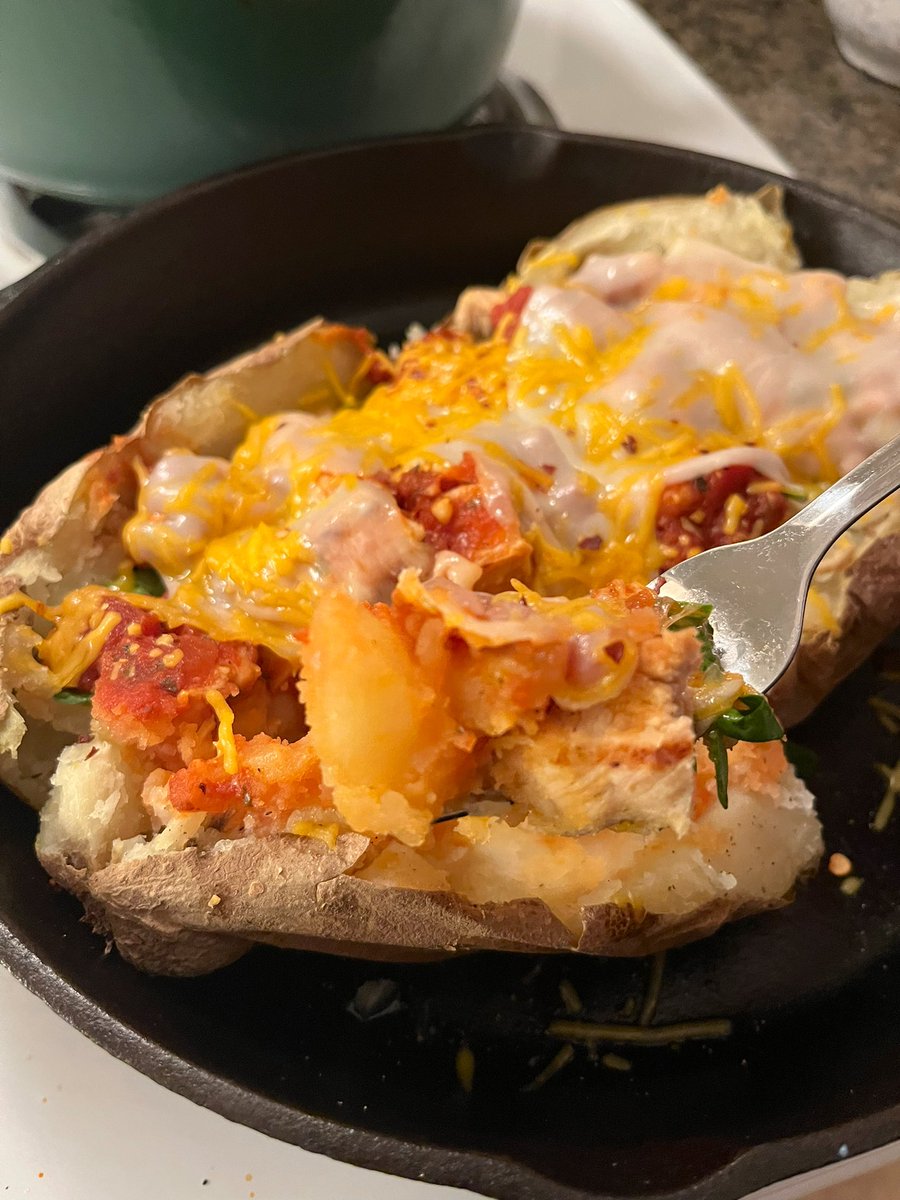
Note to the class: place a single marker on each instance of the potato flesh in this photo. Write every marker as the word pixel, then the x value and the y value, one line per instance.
pixel 382 733
pixel 94 801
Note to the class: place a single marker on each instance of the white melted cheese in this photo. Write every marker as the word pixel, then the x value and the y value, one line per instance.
pixel 641 371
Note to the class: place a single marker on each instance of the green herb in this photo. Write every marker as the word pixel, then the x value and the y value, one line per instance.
pixel 147 581
pixel 696 617
pixel 718 753
pixel 751 719
pixel 71 696
pixel 804 761
pixel 690 616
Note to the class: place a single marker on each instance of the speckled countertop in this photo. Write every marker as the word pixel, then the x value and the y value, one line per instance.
pixel 777 61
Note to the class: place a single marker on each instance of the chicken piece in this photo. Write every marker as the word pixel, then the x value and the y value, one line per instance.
pixel 631 759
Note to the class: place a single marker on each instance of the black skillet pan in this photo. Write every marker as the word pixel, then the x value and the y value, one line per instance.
pixel 287 1042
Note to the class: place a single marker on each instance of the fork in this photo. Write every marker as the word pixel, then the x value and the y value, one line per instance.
pixel 758 589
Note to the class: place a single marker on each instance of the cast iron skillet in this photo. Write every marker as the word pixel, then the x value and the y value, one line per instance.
pixel 383 234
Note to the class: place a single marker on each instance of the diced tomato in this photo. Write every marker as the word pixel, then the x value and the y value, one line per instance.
pixel 378 369
pixel 451 506
pixel 508 313
pixel 692 515
pixel 273 779
pixel 630 596
pixel 149 682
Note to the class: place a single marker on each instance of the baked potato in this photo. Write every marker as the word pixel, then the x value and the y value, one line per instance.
pixel 353 652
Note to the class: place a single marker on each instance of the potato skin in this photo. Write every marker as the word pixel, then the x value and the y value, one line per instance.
pixel 293 893
pixel 190 912
pixel 869 612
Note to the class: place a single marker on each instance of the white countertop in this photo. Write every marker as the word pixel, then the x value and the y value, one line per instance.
pixel 76 1124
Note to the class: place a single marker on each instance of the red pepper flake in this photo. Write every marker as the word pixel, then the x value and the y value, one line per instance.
pixel 505 316
pixel 630 444
pixel 591 543
pixel 614 650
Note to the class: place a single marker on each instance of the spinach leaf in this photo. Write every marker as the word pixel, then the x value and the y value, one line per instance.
pixel 147 581
pixel 71 696
pixel 751 719
pixel 718 752
pixel 707 649
pixel 690 616
pixel 696 617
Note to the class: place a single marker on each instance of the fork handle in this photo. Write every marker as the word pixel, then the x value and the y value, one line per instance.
pixel 824 519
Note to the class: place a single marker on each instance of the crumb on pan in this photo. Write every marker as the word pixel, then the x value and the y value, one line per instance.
pixel 840 865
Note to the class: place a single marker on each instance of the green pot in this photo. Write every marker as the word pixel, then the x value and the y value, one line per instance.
pixel 115 101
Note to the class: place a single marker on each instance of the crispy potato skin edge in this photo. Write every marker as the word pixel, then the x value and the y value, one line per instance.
pixel 870 613
pixel 293 893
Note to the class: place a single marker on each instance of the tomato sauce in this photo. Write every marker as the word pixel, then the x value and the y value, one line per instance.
pixel 693 515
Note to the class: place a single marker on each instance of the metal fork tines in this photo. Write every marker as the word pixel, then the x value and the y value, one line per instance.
pixel 758 589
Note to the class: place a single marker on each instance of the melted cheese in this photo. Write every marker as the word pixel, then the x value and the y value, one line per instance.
pixel 16 600
pixel 226 749
pixel 616 384
pixel 735 507
pixel 323 833
pixel 823 612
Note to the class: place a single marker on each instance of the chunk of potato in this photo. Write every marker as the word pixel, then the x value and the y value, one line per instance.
pixel 379 721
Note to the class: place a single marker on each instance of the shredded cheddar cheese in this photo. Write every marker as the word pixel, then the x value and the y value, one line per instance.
pixel 69 667
pixel 16 600
pixel 735 507
pixel 823 612
pixel 243 543
pixel 327 834
pixel 226 748
pixel 256 564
